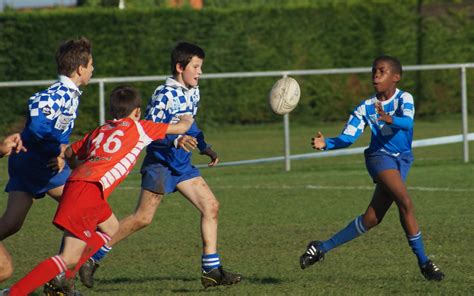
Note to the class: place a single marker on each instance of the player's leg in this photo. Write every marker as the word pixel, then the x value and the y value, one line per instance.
pixel 51 267
pixel 56 193
pixel 200 195
pixel 18 205
pixel 378 207
pixel 96 240
pixel 393 182
pixel 6 264
pixel 148 203
pixel 143 216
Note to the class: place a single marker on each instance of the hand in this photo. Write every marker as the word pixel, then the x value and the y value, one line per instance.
pixel 56 164
pixel 383 116
pixel 213 155
pixel 11 142
pixel 318 142
pixel 187 142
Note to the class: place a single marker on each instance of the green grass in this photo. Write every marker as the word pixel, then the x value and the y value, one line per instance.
pixel 268 216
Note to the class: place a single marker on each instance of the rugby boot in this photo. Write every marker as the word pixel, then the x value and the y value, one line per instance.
pixel 431 272
pixel 312 255
pixel 60 286
pixel 219 277
pixel 86 273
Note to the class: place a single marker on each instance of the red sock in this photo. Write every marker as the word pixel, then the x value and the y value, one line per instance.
pixel 39 276
pixel 97 240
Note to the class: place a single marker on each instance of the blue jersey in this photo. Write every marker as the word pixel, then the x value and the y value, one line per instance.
pixel 394 139
pixel 51 117
pixel 169 101
pixel 49 124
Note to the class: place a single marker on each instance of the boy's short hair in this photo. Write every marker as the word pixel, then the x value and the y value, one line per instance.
pixel 71 54
pixel 123 100
pixel 182 54
pixel 393 61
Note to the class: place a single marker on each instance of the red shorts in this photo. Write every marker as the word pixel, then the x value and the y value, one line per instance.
pixel 81 209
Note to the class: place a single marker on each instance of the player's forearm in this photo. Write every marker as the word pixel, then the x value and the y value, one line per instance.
pixel 404 122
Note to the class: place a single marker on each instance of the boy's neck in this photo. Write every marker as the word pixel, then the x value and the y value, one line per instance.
pixel 386 95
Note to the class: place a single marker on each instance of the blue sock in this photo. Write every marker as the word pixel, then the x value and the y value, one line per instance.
pixel 416 244
pixel 353 230
pixel 101 253
pixel 210 261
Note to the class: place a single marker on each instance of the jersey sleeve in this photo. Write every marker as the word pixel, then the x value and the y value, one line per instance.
pixel 199 135
pixel 352 130
pixel 155 131
pixel 45 110
pixel 80 147
pixel 408 113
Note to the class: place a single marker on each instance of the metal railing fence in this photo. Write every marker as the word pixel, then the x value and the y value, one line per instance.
pixel 465 137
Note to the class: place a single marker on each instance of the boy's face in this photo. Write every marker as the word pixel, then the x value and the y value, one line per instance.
pixel 189 76
pixel 86 72
pixel 383 77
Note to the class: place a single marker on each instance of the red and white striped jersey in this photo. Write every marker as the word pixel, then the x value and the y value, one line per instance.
pixel 110 151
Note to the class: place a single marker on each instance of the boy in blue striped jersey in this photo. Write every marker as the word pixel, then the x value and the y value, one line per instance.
pixel 51 114
pixel 389 114
pixel 167 167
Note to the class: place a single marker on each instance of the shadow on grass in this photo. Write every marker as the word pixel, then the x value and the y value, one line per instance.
pixel 129 280
pixel 117 282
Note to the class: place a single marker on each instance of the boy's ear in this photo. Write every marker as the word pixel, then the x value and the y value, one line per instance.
pixel 396 78
pixel 137 113
pixel 179 68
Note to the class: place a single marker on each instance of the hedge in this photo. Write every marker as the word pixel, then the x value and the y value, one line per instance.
pixel 332 35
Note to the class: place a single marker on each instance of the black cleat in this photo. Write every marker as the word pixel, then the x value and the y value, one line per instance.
pixel 431 272
pixel 312 255
pixel 86 273
pixel 218 276
pixel 60 286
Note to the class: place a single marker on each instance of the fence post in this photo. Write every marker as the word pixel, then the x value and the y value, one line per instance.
pixel 464 115
pixel 101 102
pixel 286 126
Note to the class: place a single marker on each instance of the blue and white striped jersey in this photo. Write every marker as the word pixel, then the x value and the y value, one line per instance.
pixel 169 101
pixel 394 138
pixel 51 116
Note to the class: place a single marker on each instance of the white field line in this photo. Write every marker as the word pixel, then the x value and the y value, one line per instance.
pixel 323 187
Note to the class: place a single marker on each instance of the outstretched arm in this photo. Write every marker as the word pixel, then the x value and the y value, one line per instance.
pixel 318 142
pixel 185 122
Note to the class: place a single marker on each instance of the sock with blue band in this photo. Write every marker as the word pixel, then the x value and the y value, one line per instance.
pixel 101 253
pixel 210 261
pixel 353 230
pixel 416 244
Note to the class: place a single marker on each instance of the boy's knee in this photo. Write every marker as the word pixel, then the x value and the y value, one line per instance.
pixel 371 221
pixel 6 271
pixel 9 229
pixel 211 209
pixel 142 220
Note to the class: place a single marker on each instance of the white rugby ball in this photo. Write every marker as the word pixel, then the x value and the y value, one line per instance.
pixel 284 96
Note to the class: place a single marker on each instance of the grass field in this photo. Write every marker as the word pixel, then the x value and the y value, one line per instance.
pixel 268 216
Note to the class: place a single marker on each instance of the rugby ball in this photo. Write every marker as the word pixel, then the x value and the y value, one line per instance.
pixel 284 95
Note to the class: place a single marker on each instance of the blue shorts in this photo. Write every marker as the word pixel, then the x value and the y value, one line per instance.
pixel 158 178
pixel 28 173
pixel 379 161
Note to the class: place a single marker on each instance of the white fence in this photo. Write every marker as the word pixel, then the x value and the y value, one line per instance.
pixel 465 137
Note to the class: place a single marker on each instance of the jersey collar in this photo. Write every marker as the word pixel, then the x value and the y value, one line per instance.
pixel 69 84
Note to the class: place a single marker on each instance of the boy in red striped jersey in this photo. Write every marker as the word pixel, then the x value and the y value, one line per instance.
pixel 101 160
